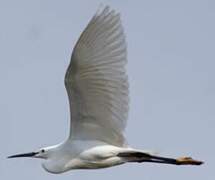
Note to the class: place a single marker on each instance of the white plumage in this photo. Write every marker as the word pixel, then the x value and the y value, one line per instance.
pixel 96 81
pixel 97 88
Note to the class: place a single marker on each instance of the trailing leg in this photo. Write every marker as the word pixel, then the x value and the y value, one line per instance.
pixel 145 157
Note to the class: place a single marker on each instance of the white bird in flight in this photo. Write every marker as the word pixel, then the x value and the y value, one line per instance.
pixel 97 88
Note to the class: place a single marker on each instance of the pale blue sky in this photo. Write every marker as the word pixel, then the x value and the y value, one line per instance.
pixel 171 62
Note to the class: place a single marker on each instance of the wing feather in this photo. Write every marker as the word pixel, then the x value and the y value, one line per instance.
pixel 97 83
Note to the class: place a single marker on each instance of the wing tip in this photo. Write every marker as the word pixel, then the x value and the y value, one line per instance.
pixel 106 9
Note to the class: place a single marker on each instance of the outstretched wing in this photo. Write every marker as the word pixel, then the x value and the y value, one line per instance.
pixel 96 81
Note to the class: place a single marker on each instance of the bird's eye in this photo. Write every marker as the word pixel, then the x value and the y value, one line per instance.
pixel 42 150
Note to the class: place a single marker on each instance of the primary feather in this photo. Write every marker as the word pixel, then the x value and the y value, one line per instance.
pixel 96 81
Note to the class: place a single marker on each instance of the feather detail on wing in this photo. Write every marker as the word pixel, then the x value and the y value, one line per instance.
pixel 96 81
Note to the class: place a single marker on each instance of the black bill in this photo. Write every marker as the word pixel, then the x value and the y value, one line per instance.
pixel 31 154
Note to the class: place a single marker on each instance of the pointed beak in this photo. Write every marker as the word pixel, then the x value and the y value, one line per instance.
pixel 31 154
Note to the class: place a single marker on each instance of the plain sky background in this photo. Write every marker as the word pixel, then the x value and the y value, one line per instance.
pixel 171 68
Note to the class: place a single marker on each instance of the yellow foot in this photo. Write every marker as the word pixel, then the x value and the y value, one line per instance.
pixel 188 161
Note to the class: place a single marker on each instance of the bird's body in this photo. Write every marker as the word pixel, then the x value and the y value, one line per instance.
pixel 79 154
pixel 97 87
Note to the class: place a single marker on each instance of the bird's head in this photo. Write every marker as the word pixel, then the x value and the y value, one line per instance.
pixel 47 154
pixel 41 153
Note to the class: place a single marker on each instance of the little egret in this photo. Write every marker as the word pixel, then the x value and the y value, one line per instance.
pixel 97 88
